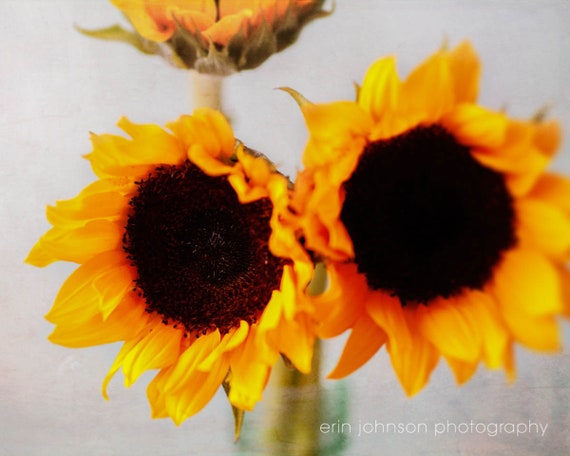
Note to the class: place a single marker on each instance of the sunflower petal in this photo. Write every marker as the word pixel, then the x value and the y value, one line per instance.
pixel 206 127
pixel 193 396
pixel 336 129
pixel 527 282
pixel 125 349
pixel 380 88
pixel 366 338
pixel 295 339
pixel 448 324
pixel 150 146
pixel 156 396
pixel 207 163
pixel 96 331
pixel 543 227
pixel 73 213
pixel 331 311
pixel 413 357
pixel 495 336
pixel 190 359
pixel 462 370
pixel 248 375
pixel 473 125
pixel 77 245
pixel 554 189
pixel 230 341
pixel 158 349
pixel 427 93
pixel 78 299
pixel 548 137
pixel 528 291
pixel 466 71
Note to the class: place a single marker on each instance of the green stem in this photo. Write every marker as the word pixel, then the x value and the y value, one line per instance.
pixel 297 401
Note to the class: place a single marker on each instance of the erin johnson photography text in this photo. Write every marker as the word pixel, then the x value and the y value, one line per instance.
pixel 440 428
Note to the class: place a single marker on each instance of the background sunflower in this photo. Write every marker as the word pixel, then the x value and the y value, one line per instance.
pixel 59 85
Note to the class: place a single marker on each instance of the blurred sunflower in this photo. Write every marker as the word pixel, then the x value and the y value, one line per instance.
pixel 215 36
pixel 180 258
pixel 441 231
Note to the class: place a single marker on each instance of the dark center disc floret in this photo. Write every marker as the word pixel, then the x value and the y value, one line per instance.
pixel 425 218
pixel 201 256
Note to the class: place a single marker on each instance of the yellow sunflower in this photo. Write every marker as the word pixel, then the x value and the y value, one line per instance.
pixel 179 259
pixel 220 36
pixel 441 232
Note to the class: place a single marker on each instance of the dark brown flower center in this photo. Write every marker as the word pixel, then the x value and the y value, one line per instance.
pixel 425 218
pixel 201 256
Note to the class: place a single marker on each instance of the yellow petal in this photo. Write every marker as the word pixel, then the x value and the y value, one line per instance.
pixel 462 370
pixel 295 339
pixel 225 29
pixel 77 245
pixel 539 333
pixel 246 192
pixel 104 198
pixel 230 341
pixel 79 299
pixel 247 389
pixel 193 396
pixel 548 136
pixel 158 349
pixel 193 15
pixel 124 323
pixel 380 88
pixel 450 325
pixel 427 93
pixel 110 206
pixel 554 189
pixel 528 291
pixel 206 127
pixel 248 375
pixel 565 280
pixel 521 167
pixel 337 129
pixel 125 349
pixel 413 357
pixel 495 336
pixel 151 26
pixel 527 282
pixel 365 340
pixel 466 70
pixel 542 227
pixel 149 147
pixel 340 306
pixel 519 158
pixel 190 359
pixel 156 396
pixel 475 126
pixel 207 163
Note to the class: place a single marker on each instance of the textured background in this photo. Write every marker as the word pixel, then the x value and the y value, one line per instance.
pixel 56 86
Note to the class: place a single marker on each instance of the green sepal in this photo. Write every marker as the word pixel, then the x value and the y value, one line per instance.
pixel 118 33
pixel 237 412
pixel 540 115
pixel 299 99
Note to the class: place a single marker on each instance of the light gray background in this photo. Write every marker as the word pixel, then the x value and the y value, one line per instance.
pixel 56 86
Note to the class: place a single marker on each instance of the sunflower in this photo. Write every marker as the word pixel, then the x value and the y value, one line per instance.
pixel 180 259
pixel 217 36
pixel 441 231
